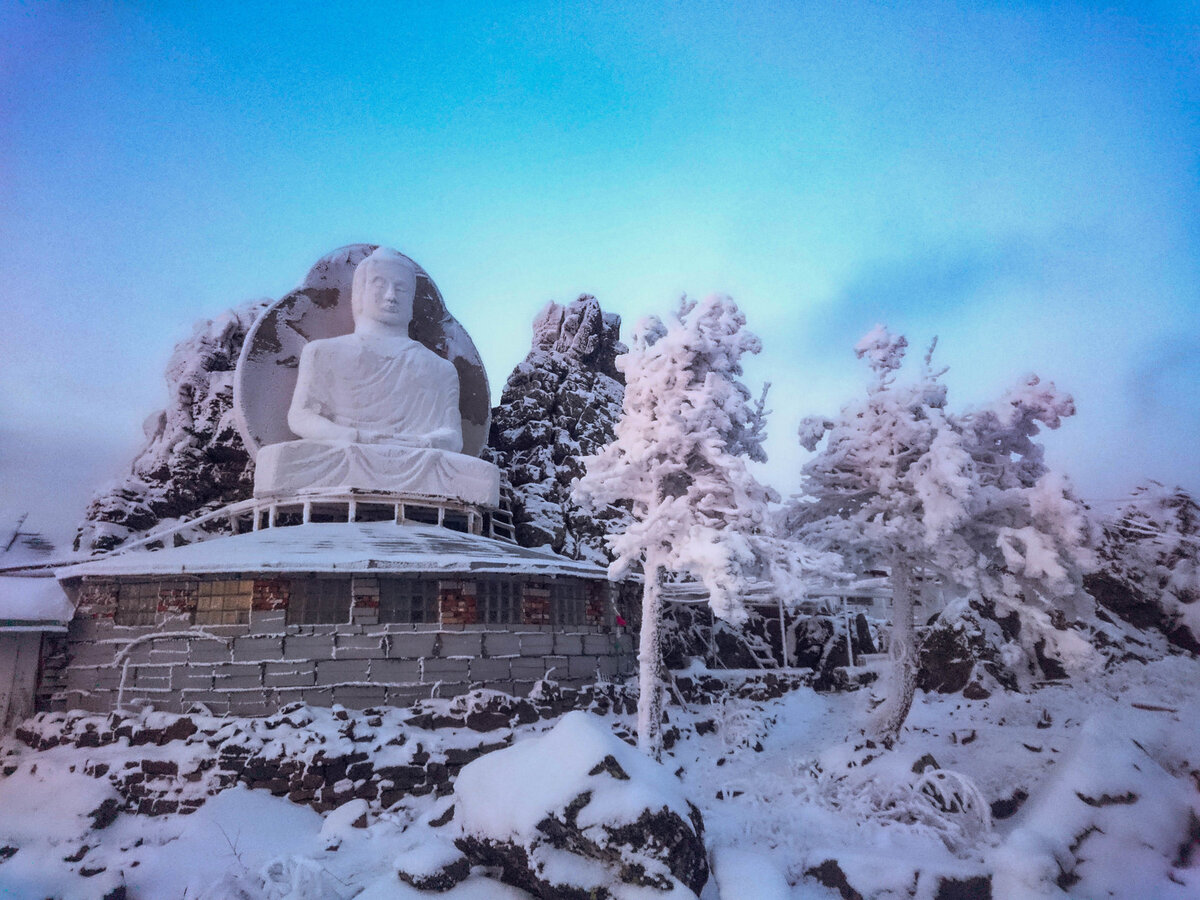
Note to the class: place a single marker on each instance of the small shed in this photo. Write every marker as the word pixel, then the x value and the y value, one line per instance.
pixel 33 608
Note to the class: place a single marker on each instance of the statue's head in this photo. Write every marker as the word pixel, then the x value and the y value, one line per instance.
pixel 383 289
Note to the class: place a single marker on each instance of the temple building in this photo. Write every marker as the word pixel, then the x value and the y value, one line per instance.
pixel 375 563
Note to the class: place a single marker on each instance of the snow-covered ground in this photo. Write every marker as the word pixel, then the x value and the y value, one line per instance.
pixel 788 794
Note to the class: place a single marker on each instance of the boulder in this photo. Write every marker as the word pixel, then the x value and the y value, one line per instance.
pixel 963 650
pixel 576 812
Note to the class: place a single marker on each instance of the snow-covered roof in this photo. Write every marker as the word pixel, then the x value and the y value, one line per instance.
pixel 33 604
pixel 350 547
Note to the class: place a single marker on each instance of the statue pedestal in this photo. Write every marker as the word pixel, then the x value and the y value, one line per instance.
pixel 292 467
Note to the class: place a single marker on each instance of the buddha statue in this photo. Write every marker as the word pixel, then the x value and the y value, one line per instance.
pixel 376 410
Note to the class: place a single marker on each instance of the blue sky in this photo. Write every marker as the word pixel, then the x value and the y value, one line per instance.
pixel 1020 179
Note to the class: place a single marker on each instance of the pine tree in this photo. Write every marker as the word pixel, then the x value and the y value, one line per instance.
pixel 679 457
pixel 963 500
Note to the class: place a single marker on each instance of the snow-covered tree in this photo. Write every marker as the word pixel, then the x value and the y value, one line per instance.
pixel 963 500
pixel 1151 547
pixel 679 457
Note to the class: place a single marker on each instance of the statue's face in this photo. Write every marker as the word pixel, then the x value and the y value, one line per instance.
pixel 389 292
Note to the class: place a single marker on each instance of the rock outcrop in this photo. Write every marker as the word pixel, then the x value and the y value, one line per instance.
pixel 559 405
pixel 194 459
pixel 1149 572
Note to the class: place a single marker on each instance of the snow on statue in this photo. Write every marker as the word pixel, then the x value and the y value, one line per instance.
pixel 376 410
pixel 679 456
pixel 964 501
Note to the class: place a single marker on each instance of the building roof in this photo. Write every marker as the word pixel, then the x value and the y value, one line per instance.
pixel 339 547
pixel 33 603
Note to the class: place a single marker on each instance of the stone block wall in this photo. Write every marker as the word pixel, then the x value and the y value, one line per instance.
pixel 256 668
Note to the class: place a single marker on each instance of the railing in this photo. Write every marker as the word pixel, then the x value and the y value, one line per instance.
pixel 302 509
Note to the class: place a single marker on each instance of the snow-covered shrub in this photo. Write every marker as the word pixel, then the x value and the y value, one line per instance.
pixel 941 803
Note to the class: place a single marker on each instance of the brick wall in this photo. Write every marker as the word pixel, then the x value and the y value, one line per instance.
pixel 270 593
pixel 535 603
pixel 97 600
pixel 457 603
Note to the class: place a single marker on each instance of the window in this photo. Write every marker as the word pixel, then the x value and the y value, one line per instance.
pixel 137 604
pixel 319 601
pixel 567 602
pixel 407 600
pixel 224 602
pixel 497 601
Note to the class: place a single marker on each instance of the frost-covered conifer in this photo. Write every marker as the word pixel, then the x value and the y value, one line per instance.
pixel 679 456
pixel 964 500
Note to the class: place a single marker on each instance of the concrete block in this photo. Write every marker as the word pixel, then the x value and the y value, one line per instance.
pixel 406 696
pixel 318 696
pixel 445 670
pixel 203 650
pixel 527 669
pixel 80 679
pixel 237 675
pixel 81 628
pixel 504 686
pixel 501 643
pixel 556 667
pixel 360 696
pixel 582 667
pixel 268 621
pixel 610 666
pixel 171 651
pixel 410 644
pixel 537 643
pixel 490 670
pixel 170 702
pixel 217 701
pixel 108 678
pixel 308 646
pixel 358 646
pixel 462 643
pixel 249 648
pixel 191 678
pixel 396 671
pixel 331 671
pixel 365 615
pixel 138 654
pixel 280 697
pixel 446 688
pixel 568 644
pixel 299 673
pixel 597 644
pixel 249 703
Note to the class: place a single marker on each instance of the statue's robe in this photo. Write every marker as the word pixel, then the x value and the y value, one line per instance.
pixel 377 414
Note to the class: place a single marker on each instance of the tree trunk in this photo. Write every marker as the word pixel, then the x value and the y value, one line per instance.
pixel 650 687
pixel 902 654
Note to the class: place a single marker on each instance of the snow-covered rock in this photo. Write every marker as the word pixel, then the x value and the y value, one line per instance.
pixel 194 458
pixel 579 813
pixel 967 649
pixel 559 405
pixel 1150 564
